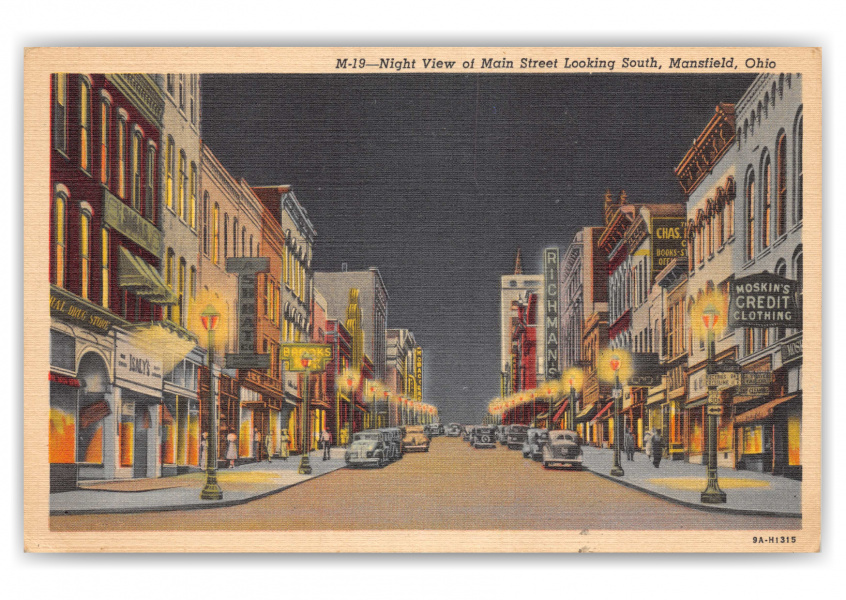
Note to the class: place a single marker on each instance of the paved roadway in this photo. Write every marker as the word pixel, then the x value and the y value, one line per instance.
pixel 451 487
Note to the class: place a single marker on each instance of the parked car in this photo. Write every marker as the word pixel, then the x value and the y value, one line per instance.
pixel 563 449
pixel 434 429
pixel 501 436
pixel 484 436
pixel 368 448
pixel 452 430
pixel 535 439
pixel 515 436
pixel 415 439
pixel 466 432
pixel 394 440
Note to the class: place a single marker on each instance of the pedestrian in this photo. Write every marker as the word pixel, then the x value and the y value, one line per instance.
pixel 256 444
pixel 283 444
pixel 647 442
pixel 268 445
pixel 629 444
pixel 657 448
pixel 231 448
pixel 326 442
pixel 204 451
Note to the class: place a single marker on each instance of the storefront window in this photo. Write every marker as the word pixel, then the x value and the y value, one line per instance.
pixel 696 432
pixel 62 441
pixel 753 439
pixel 794 434
pixel 168 434
pixel 127 437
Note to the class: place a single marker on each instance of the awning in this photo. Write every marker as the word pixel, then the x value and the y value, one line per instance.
pixel 586 413
pixel 96 411
pixel 560 411
pixel 762 412
pixel 697 403
pixel 603 411
pixel 142 279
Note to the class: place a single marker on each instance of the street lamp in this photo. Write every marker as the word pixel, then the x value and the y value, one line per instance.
pixel 211 490
pixel 305 467
pixel 712 494
pixel 550 391
pixel 573 379
pixel 387 407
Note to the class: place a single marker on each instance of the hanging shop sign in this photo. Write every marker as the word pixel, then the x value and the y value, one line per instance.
pixel 247 269
pixel 295 355
pixel 764 300
pixel 136 366
pixel 755 383
pixel 126 220
pixel 791 349
pixel 668 242
pixel 646 370
pixel 550 276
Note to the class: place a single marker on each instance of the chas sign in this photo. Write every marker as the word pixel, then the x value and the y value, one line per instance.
pixel 764 300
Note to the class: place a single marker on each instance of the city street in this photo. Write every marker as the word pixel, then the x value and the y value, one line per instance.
pixel 453 486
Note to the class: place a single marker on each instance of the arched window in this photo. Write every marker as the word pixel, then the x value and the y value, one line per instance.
pixel 225 235
pixel 710 234
pixel 172 311
pixel 750 216
pixel 182 182
pixel 84 124
pixel 180 293
pixel 60 112
pixel 205 222
pixel 243 241
pixel 721 226
pixel 150 180
pixel 60 207
pixel 798 275
pixel 797 141
pixel 84 253
pixel 192 203
pixel 701 235
pixel 192 284
pixel 135 171
pixel 104 267
pixel 766 203
pixel 216 234
pixel 234 237
pixel 781 185
pixel 251 245
pixel 121 155
pixel 105 140
pixel 169 159
pixel 691 245
pixel 781 271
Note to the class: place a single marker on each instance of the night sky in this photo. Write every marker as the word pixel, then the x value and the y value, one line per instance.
pixel 436 179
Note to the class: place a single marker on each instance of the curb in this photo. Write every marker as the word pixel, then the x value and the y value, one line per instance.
pixel 172 507
pixel 704 507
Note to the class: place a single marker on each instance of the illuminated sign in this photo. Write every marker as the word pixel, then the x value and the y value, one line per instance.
pixel 668 242
pixel 550 276
pixel 132 364
pixel 418 373
pixel 295 356
pixel 764 300
pixel 247 269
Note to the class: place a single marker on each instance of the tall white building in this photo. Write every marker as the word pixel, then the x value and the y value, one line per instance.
pixel 515 288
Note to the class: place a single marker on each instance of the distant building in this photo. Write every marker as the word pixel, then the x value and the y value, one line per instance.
pixel 516 289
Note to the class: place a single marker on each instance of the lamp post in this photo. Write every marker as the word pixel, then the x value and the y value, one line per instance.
pixel 549 393
pixel 373 408
pixel 617 393
pixel 305 466
pixel 211 490
pixel 712 494
pixel 387 407
pixel 347 383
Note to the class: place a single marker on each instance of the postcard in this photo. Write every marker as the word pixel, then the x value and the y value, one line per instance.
pixel 422 299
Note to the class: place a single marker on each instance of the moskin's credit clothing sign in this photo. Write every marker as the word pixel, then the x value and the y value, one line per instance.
pixel 764 300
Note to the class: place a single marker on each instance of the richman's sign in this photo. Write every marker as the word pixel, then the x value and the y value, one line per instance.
pixel 764 300
pixel 550 275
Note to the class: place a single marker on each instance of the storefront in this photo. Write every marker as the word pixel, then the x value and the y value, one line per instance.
pixel 603 426
pixel 181 416
pixel 656 415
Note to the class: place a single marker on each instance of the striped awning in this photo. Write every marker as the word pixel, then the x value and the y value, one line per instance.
pixel 762 412
pixel 561 410
pixel 602 412
pixel 142 279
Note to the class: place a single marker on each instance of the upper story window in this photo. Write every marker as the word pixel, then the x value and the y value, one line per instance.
pixel 781 185
pixel 182 91
pixel 180 293
pixel 193 102
pixel 710 234
pixel 121 156
pixel 59 228
pixel 105 141
pixel 216 234
pixel 172 311
pixel 225 235
pixel 135 170
pixel 169 159
pixel 701 236
pixel 192 201
pixel 243 241
pixel 182 182
pixel 60 112
pixel 150 191
pixel 766 204
pixel 104 266
pixel 192 284
pixel 251 245
pixel 750 217
pixel 798 142
pixel 85 125
pixel 84 253
pixel 234 237
pixel 170 83
pixel 204 220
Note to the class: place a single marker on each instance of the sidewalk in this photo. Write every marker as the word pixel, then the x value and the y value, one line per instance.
pixel 747 492
pixel 182 492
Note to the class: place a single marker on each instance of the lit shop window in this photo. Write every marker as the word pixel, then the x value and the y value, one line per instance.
pixel 182 182
pixel 90 438
pixel 84 257
pixel 104 269
pixel 169 276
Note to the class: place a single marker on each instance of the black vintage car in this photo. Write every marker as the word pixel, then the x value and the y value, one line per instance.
pixel 515 436
pixel 484 436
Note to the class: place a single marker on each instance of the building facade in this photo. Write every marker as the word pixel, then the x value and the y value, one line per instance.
pixel 515 290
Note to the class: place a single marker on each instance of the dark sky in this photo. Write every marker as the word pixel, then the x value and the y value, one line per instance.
pixel 436 179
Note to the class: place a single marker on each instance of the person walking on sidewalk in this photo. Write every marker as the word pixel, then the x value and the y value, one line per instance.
pixel 231 448
pixel 283 443
pixel 256 444
pixel 268 445
pixel 326 442
pixel 657 448
pixel 647 443
pixel 204 451
pixel 629 444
